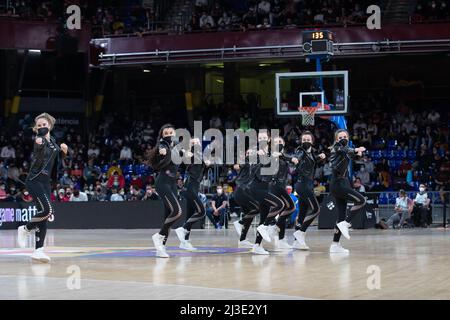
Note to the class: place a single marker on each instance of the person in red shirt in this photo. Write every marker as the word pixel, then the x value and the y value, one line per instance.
pixel 76 171
pixel 116 181
pixel 62 197
pixel 137 182
pixel 26 196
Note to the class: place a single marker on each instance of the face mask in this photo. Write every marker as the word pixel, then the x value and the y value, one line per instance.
pixel 25 193
pixel 422 190
pixel 42 131
pixel 167 139
pixel 2 187
pixel 13 190
pixel 362 169
pixel 76 193
pixel 343 142
pixel 122 193
pixel 116 184
pixel 219 191
pixel 66 175
pixel 306 145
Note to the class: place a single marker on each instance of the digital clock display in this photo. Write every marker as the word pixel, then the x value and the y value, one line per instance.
pixel 317 35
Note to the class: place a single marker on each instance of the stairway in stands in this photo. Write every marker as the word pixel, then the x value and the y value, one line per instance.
pixel 398 11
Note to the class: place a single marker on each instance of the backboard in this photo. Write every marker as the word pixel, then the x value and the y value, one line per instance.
pixel 325 90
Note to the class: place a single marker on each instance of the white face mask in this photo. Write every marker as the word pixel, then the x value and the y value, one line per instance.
pixel 122 193
pixel 26 193
pixel 219 191
pixel 422 190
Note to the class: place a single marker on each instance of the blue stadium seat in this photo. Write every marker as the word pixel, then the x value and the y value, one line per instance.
pixel 105 168
pixel 412 154
pixel 128 169
pixel 391 144
pixel 383 199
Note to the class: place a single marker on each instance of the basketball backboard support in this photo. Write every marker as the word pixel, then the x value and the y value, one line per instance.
pixel 325 90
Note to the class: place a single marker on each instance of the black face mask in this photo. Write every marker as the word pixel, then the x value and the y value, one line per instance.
pixel 343 142
pixel 306 145
pixel 167 139
pixel 42 132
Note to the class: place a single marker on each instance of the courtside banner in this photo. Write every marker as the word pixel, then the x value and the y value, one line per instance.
pixel 91 215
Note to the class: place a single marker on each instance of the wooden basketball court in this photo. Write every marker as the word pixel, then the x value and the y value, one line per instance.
pixel 120 264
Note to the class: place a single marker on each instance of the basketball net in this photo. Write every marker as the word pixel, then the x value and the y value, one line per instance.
pixel 308 114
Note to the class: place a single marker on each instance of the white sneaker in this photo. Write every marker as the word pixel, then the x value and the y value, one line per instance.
pixel 186 245
pixel 343 227
pixel 245 244
pixel 337 248
pixel 40 256
pixel 158 242
pixel 162 253
pixel 262 229
pixel 22 236
pixel 274 231
pixel 284 245
pixel 300 243
pixel 181 233
pixel 258 249
pixel 238 227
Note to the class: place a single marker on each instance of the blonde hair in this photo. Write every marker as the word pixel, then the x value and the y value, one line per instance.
pixel 51 120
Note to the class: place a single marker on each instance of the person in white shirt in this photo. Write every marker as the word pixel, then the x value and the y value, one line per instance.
pixel 358 186
pixel 125 153
pixel 206 19
pixel 115 196
pixel 78 196
pixel 403 208
pixel 434 116
pixel 364 175
pixel 8 152
pixel 264 8
pixel 421 206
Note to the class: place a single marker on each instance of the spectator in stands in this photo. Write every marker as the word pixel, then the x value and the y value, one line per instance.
pixel 150 194
pixel 76 172
pixel 364 176
pixel 26 196
pixel 116 181
pixel 263 10
pixel 78 196
pixel 358 186
pixel 62 197
pixel 65 180
pixel 217 212
pixel 433 117
pixel 125 154
pixel 114 168
pixel 115 196
pixel 8 152
pixel 13 192
pixel 205 20
pixel 224 22
pixel 91 173
pixel 135 194
pixel 421 206
pixel 99 194
pixel 13 172
pixel 403 208
pixel 3 194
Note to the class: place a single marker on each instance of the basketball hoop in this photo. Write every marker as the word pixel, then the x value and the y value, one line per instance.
pixel 308 114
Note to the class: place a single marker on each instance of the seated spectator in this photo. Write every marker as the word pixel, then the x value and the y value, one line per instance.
pixel 13 192
pixel 114 168
pixel 217 213
pixel 150 194
pixel 65 180
pixel 26 196
pixel 125 154
pixel 3 194
pixel 403 208
pixel 135 194
pixel 78 196
pixel 76 172
pixel 62 197
pixel 116 181
pixel 363 175
pixel 8 152
pixel 358 186
pixel 137 181
pixel 115 196
pixel 421 207
pixel 206 20
pixel 99 194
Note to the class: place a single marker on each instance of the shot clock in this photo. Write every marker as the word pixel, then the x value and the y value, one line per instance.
pixel 318 42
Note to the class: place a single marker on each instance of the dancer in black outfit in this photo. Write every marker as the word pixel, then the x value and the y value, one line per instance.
pixel 278 188
pixel 243 198
pixel 309 206
pixel 195 208
pixel 45 152
pixel 269 204
pixel 341 189
pixel 166 186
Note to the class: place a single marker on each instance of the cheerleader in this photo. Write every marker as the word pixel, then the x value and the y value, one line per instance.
pixel 45 152
pixel 340 187
pixel 309 208
pixel 195 208
pixel 166 186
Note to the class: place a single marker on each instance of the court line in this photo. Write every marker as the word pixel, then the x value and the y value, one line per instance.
pixel 168 285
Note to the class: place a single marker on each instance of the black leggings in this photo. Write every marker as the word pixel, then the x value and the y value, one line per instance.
pixel 342 191
pixel 249 207
pixel 167 190
pixel 39 189
pixel 309 206
pixel 195 209
pixel 288 208
pixel 270 205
